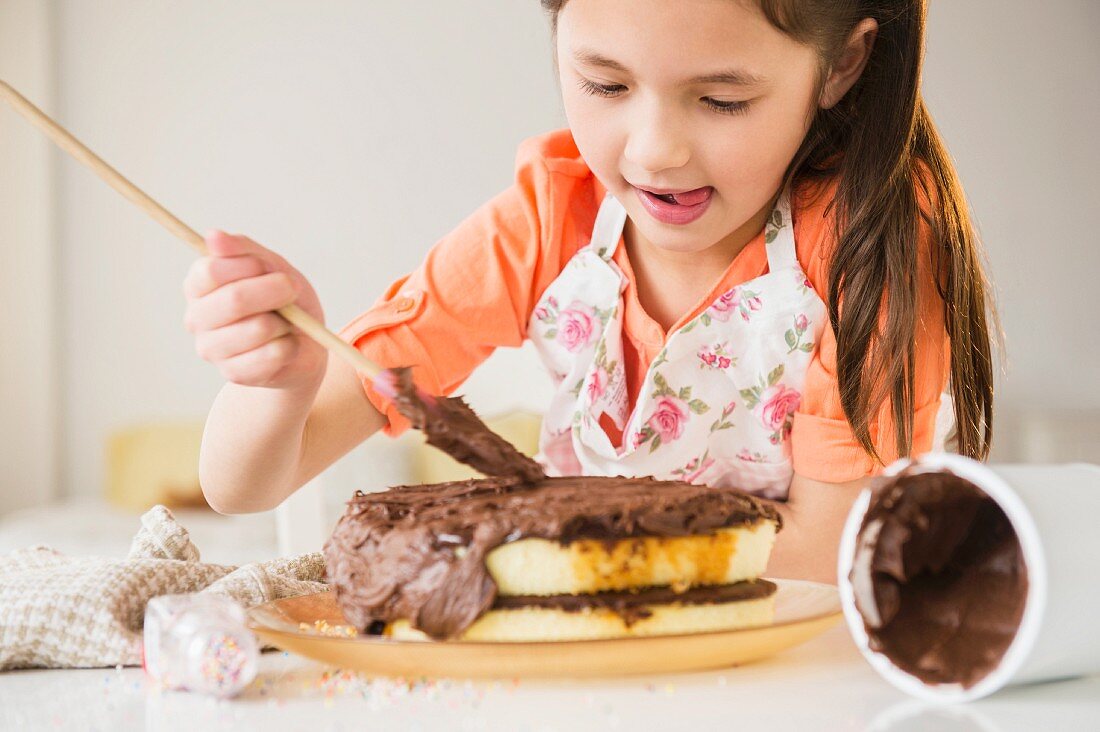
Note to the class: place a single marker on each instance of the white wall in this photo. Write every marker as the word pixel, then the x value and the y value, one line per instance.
pixel 28 293
pixel 351 135
pixel 1015 89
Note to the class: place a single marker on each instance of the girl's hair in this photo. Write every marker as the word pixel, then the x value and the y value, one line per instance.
pixel 879 143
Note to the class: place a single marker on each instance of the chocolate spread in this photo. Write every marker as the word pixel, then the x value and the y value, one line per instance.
pixel 454 428
pixel 938 577
pixel 632 606
pixel 418 552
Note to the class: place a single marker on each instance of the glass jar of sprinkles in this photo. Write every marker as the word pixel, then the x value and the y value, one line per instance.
pixel 199 643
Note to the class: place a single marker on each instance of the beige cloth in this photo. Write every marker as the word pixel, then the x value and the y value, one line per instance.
pixel 86 612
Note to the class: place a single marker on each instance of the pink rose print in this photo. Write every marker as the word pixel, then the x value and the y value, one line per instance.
pixel 744 302
pixel 729 301
pixel 803 282
pixel 541 313
pixel 668 418
pixel 695 469
pixel 576 326
pixel 750 304
pixel 776 408
pixel 750 457
pixel 671 410
pixel 794 335
pixel 723 422
pixel 598 385
pixel 716 356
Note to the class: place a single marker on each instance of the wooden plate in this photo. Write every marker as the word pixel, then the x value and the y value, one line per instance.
pixel 309 625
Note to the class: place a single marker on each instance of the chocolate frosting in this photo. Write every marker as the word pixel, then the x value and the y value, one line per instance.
pixel 454 428
pixel 632 606
pixel 938 577
pixel 418 552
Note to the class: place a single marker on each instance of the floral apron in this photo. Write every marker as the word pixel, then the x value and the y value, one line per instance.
pixel 717 402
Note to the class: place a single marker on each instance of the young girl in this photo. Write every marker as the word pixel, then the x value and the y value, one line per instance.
pixel 747 262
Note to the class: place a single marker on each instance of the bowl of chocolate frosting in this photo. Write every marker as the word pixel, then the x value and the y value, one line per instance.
pixel 958 578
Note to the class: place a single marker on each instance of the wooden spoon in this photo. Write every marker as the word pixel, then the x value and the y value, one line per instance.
pixel 298 317
pixel 470 442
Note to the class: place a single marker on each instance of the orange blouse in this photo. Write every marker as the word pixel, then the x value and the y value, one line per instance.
pixel 477 287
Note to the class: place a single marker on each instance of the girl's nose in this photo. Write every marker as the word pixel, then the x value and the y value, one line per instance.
pixel 657 143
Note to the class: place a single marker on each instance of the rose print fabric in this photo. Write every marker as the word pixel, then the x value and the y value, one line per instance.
pixel 717 403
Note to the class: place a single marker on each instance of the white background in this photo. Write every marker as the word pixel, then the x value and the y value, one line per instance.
pixel 350 136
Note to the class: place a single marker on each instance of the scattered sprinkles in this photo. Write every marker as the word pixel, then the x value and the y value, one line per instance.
pixel 378 692
pixel 224 664
pixel 321 627
pixel 330 688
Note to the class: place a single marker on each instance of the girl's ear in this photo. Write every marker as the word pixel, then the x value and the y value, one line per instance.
pixel 850 64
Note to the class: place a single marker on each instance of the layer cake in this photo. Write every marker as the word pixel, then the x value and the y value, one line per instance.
pixel 501 559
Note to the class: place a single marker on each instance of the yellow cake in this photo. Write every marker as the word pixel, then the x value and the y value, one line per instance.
pixel 562 558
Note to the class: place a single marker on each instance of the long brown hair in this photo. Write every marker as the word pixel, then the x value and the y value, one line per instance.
pixel 879 144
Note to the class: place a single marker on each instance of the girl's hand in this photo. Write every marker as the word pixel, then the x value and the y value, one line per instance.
pixel 232 294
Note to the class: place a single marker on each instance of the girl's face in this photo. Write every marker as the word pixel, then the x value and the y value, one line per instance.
pixel 698 96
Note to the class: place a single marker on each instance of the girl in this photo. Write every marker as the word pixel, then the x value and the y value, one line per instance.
pixel 746 262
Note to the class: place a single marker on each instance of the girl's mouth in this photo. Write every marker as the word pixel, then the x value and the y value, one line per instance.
pixel 676 208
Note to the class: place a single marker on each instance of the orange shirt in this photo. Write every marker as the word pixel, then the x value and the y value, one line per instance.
pixel 477 287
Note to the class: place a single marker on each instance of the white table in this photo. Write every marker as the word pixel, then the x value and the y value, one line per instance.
pixel 822 685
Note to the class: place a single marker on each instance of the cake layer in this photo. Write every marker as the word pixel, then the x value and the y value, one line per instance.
pixel 563 618
pixel 631 603
pixel 542 567
pixel 422 551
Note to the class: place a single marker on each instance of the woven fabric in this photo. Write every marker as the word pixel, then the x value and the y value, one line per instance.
pixel 85 612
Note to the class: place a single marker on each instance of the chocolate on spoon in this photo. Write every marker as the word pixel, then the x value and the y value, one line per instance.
pixel 451 426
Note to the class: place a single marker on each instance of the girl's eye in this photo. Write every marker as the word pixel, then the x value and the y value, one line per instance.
pixel 726 107
pixel 600 90
pixel 611 90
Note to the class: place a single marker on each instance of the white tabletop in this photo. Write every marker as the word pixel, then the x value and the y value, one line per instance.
pixel 822 685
